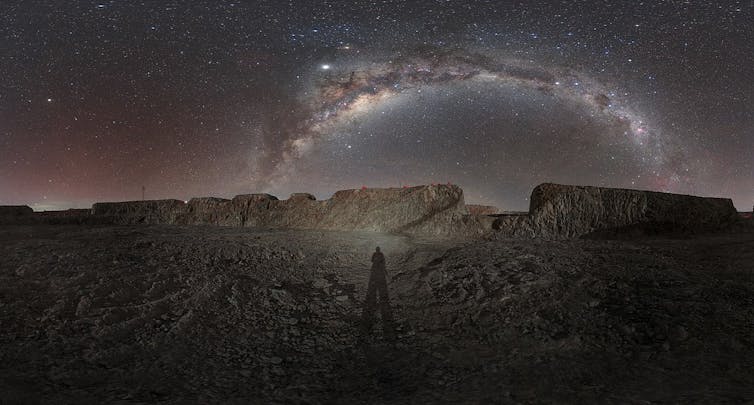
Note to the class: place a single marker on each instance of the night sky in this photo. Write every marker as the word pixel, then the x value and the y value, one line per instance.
pixel 219 98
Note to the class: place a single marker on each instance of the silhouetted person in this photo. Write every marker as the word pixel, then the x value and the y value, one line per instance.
pixel 377 286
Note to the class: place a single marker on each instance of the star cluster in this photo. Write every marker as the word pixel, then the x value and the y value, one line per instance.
pixel 98 99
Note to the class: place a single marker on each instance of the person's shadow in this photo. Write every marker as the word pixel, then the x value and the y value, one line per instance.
pixel 377 288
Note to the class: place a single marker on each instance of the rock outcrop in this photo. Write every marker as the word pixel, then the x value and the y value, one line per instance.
pixel 302 196
pixel 573 211
pixel 556 211
pixel 205 211
pixel 11 214
pixel 140 212
pixel 73 216
pixel 475 209
pixel 15 210
pixel 436 209
pixel 245 209
pixel 423 209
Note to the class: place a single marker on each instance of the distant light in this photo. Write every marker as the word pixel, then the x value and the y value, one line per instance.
pixel 325 67
pixel 49 100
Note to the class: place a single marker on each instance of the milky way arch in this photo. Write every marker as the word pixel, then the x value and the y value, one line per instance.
pixel 347 93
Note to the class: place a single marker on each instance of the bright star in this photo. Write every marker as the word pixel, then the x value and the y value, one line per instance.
pixel 325 67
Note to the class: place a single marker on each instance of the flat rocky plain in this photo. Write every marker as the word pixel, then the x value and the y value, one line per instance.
pixel 194 314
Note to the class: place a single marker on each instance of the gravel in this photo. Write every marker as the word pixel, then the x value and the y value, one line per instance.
pixel 173 314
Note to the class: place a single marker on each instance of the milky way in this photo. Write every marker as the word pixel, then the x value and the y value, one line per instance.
pixel 98 100
pixel 353 92
pixel 346 92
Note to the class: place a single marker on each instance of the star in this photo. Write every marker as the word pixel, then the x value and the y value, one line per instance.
pixel 574 94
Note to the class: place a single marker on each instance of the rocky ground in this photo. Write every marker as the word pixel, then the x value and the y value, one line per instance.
pixel 171 314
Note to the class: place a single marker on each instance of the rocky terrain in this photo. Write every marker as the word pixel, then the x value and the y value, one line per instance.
pixel 556 211
pixel 594 295
pixel 9 213
pixel 207 314
pixel 561 211
pixel 436 209
pixel 476 209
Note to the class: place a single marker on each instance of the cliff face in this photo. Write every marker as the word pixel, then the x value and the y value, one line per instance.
pixel 556 211
pixel 141 212
pixel 423 209
pixel 571 211
pixel 381 210
pixel 205 211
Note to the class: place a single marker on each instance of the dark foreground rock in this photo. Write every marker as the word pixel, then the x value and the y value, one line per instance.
pixel 572 211
pixel 15 210
pixel 220 315
pixel 71 216
pixel 15 213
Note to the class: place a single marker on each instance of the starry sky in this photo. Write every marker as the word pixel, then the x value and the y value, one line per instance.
pixel 218 98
